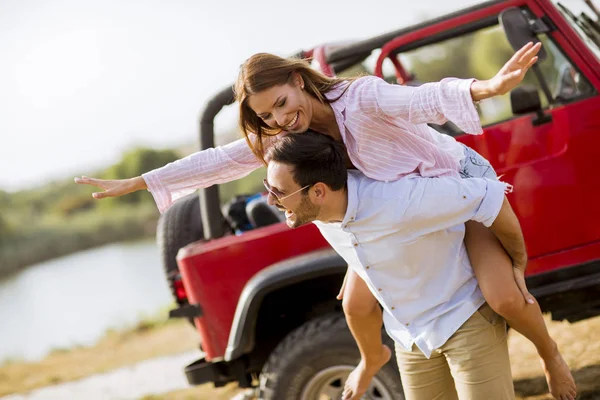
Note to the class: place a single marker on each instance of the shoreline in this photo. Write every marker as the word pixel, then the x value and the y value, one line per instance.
pixel 87 232
pixel 117 349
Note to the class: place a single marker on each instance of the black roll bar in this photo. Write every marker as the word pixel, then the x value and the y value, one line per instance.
pixel 210 205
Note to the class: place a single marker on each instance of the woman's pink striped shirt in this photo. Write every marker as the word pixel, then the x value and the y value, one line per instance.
pixel 384 128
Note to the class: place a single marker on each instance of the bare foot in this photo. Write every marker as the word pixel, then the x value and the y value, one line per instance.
pixel 559 378
pixel 360 378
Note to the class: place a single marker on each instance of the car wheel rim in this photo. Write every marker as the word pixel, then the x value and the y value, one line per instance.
pixel 328 384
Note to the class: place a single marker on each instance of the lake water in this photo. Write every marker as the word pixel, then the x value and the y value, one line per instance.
pixel 74 300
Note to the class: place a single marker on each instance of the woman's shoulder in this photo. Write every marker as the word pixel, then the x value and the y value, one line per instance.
pixel 364 87
pixel 366 81
pixel 361 93
pixel 343 88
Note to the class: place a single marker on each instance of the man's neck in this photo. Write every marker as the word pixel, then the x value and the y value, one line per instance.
pixel 335 209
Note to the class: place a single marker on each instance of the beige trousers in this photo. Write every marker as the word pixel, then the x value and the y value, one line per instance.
pixel 472 365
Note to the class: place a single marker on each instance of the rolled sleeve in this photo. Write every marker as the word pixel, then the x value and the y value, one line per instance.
pixel 161 196
pixel 468 117
pixel 491 203
pixel 440 203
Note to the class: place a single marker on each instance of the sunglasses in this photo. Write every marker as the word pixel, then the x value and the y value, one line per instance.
pixel 277 197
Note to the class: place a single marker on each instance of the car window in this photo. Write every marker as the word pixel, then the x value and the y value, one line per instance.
pixel 584 17
pixel 480 55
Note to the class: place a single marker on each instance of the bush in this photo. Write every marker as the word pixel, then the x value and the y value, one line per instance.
pixel 54 238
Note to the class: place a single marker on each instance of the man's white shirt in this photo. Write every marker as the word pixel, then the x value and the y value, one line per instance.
pixel 405 240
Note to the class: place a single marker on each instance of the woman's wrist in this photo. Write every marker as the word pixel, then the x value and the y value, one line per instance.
pixel 138 183
pixel 481 90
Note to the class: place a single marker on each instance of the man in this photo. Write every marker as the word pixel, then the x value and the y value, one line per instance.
pixel 449 343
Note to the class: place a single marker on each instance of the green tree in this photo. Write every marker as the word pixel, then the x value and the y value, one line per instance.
pixel 71 204
pixel 445 59
pixel 4 229
pixel 489 50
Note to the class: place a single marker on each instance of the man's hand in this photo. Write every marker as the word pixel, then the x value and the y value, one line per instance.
pixel 507 229
pixel 520 279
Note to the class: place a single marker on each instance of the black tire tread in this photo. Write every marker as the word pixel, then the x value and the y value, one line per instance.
pixel 298 342
pixel 292 343
pixel 179 226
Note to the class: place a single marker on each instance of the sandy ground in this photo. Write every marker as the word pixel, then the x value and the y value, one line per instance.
pixel 162 378
pixel 147 341
pixel 151 376
pixel 578 342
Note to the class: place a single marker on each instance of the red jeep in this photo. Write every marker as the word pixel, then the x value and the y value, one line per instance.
pixel 262 296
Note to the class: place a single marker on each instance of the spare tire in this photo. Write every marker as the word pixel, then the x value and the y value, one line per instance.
pixel 179 226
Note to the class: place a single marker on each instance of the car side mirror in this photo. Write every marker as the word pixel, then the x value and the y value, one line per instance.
pixel 520 29
pixel 524 100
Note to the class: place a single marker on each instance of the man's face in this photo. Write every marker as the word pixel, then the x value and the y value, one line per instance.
pixel 298 207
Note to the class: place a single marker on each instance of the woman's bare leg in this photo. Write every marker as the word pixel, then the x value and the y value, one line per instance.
pixel 364 318
pixel 494 272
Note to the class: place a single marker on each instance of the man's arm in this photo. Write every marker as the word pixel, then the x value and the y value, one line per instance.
pixel 434 204
pixel 507 229
pixel 439 203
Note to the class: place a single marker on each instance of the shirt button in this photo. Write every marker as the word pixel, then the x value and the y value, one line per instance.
pixel 368 267
pixel 393 308
pixel 355 244
pixel 464 197
pixel 407 324
pixel 379 289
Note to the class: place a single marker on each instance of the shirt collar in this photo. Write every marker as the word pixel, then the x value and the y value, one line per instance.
pixel 338 93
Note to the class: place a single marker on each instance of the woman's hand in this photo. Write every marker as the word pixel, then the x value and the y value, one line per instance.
pixel 509 76
pixel 113 187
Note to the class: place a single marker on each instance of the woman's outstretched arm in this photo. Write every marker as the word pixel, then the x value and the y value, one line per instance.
pixel 182 177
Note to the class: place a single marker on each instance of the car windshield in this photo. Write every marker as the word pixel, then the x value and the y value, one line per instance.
pixel 584 17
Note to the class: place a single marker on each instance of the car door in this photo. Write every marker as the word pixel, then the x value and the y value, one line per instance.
pixel 550 160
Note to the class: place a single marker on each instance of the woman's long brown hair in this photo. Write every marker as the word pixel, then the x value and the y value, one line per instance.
pixel 262 71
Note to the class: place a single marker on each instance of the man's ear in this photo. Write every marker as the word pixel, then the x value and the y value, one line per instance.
pixel 319 191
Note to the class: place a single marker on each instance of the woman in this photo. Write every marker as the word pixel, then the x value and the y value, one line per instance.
pixel 384 129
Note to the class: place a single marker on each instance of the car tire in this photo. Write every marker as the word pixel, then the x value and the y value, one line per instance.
pixel 179 226
pixel 315 360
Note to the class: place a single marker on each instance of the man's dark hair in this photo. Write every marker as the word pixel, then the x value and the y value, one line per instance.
pixel 314 157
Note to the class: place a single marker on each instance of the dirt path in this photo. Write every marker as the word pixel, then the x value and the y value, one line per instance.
pixel 162 378
pixel 158 375
pixel 116 350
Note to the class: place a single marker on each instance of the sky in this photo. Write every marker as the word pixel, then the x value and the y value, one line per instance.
pixel 82 81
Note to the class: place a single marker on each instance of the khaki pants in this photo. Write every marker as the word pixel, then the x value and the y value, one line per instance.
pixel 472 365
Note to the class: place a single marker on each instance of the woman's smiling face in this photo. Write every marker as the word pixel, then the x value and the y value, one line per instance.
pixel 286 107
